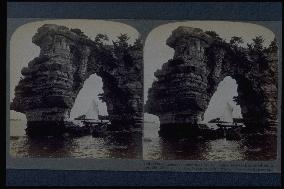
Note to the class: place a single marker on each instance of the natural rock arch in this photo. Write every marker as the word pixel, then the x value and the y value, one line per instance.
pixel 223 102
pixel 186 83
pixel 67 58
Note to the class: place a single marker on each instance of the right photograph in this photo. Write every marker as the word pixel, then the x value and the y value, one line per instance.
pixel 210 92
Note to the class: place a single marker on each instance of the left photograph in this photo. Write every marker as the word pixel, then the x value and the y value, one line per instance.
pixel 76 90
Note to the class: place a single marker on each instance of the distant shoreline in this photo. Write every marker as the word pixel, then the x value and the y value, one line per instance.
pixel 13 119
pixel 150 122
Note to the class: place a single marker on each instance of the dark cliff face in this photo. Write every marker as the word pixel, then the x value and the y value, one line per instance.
pixel 121 72
pixel 67 58
pixel 179 95
pixel 185 84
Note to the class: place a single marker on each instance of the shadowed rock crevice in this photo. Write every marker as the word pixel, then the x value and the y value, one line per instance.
pixel 186 83
pixel 52 81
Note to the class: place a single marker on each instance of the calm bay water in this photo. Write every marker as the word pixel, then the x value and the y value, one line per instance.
pixel 158 148
pixel 118 146
pixel 130 147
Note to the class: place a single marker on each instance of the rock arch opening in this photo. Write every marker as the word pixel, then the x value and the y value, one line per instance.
pixel 222 104
pixel 90 92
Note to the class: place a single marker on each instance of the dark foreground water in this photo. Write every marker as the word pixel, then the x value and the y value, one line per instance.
pixel 115 146
pixel 130 146
pixel 155 147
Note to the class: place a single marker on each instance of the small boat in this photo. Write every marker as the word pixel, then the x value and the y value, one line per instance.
pixel 226 125
pixel 234 133
pixel 99 129
pixel 147 139
pixel 97 124
pixel 77 129
pixel 210 133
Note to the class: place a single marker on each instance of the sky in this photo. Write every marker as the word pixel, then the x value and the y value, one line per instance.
pixel 22 50
pixel 156 53
pixel 93 86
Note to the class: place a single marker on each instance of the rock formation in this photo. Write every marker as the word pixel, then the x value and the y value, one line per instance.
pixel 67 58
pixel 186 83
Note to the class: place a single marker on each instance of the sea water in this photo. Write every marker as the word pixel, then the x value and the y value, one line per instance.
pixel 158 148
pixel 120 147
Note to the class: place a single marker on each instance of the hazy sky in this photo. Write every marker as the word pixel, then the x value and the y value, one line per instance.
pixel 22 50
pixel 92 87
pixel 156 53
pixel 226 90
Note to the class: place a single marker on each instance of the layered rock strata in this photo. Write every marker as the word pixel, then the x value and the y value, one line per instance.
pixel 52 81
pixel 186 83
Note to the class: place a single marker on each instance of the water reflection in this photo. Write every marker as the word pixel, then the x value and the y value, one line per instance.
pixel 129 146
pixel 125 145
pixel 49 147
pixel 260 147
pixel 181 148
pixel 250 147
pixel 116 145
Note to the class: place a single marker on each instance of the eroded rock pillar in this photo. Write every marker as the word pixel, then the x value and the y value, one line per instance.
pixel 48 89
pixel 179 96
